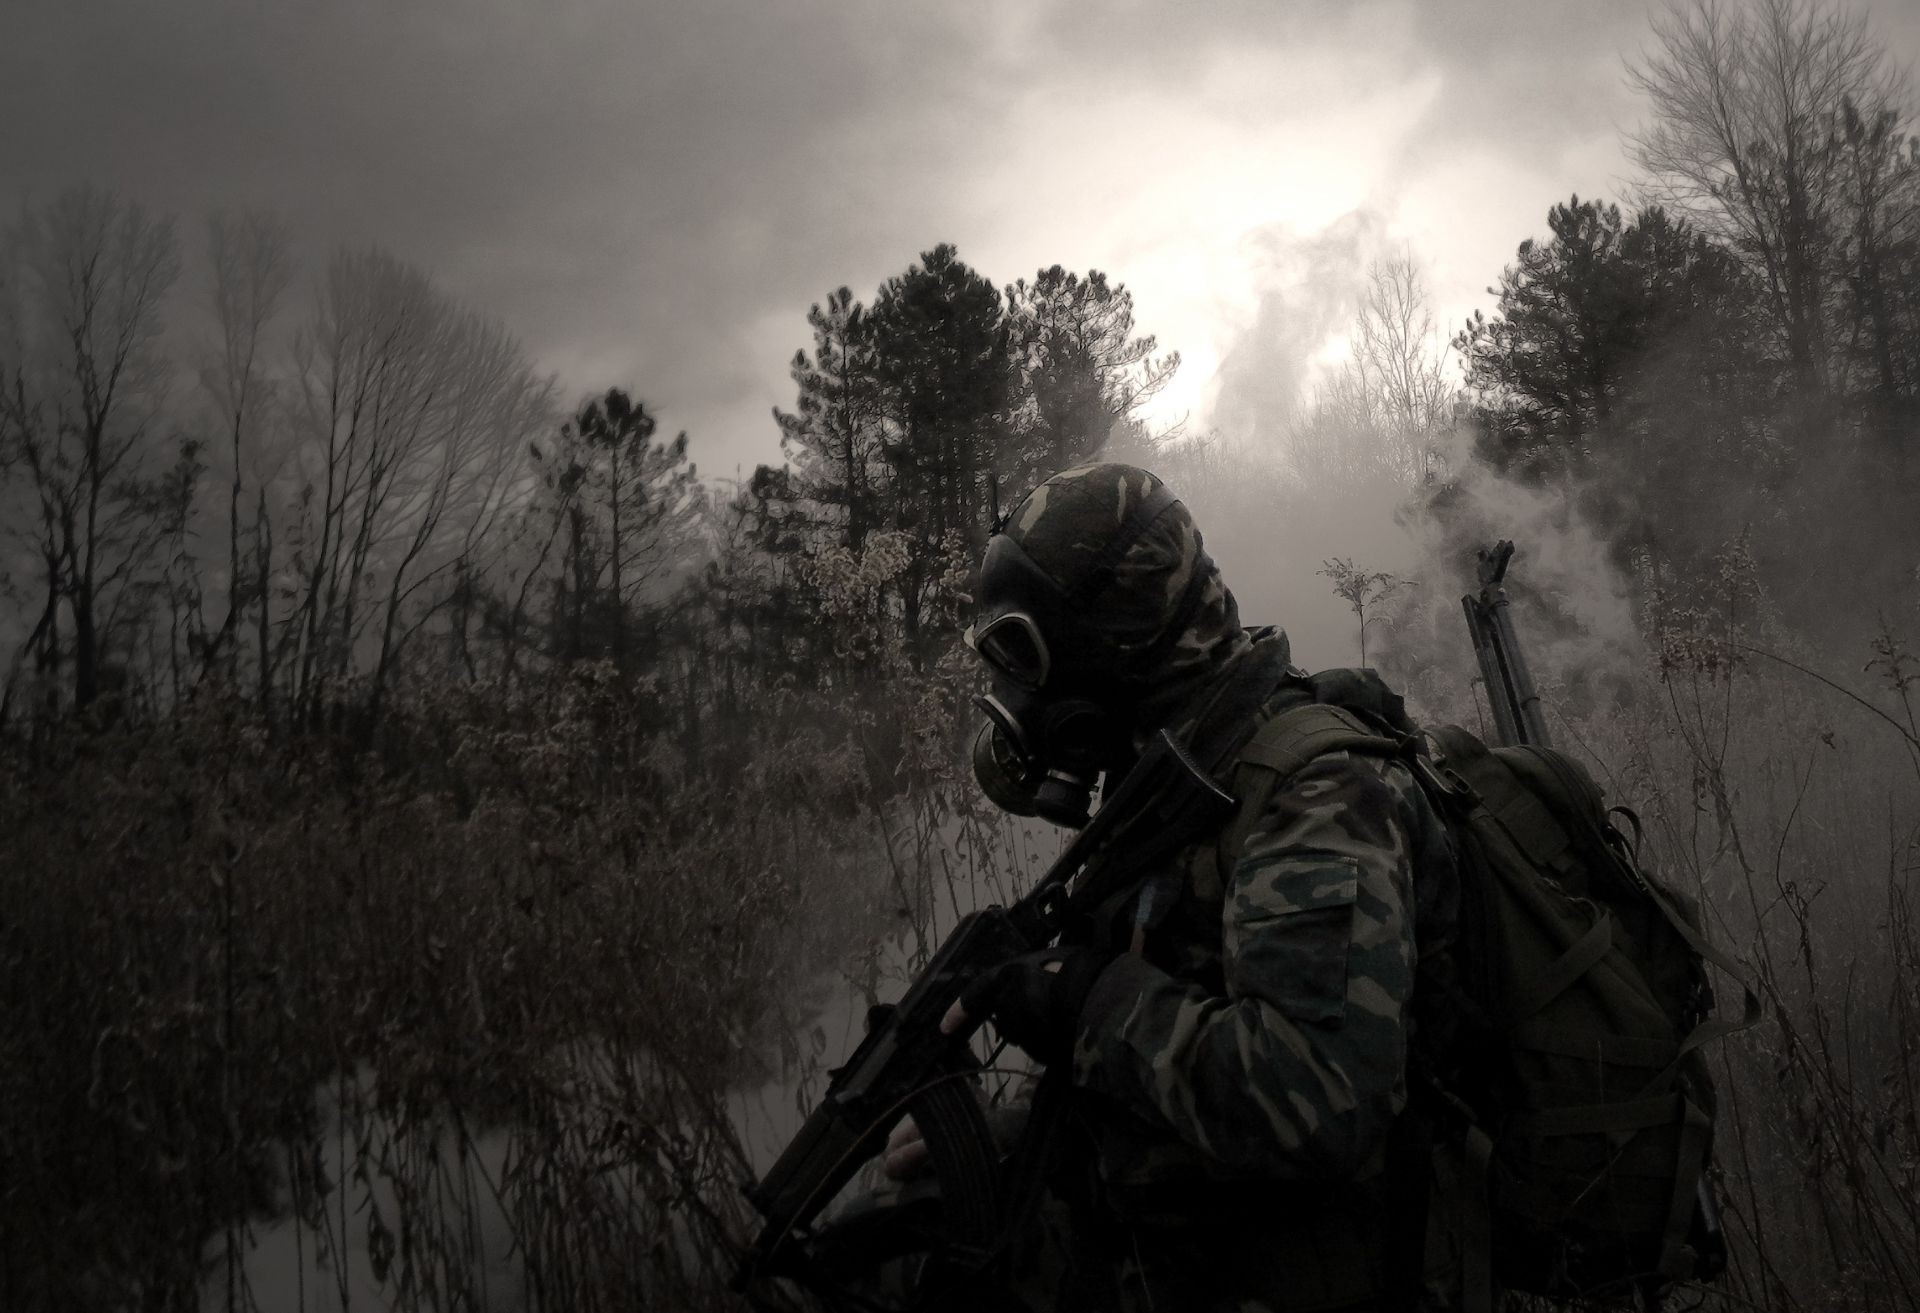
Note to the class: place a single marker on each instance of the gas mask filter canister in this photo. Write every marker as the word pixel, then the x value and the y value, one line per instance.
pixel 1039 757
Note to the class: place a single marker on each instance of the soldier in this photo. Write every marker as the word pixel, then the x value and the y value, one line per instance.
pixel 1238 1024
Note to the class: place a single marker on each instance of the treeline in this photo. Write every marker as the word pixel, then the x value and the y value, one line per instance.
pixel 280 515
pixel 346 666
pixel 375 719
pixel 306 509
pixel 1737 357
pixel 306 515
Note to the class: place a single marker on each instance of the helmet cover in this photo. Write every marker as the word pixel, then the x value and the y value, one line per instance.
pixel 1126 566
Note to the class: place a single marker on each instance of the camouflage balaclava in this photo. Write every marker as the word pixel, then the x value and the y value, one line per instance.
pixel 1067 523
pixel 1134 615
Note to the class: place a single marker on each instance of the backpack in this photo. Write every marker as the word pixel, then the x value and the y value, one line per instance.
pixel 1572 1087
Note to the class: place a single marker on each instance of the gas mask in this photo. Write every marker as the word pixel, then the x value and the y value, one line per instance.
pixel 1080 647
pixel 1041 758
pixel 1052 728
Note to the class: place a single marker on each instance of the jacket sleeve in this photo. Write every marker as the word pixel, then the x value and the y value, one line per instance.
pixel 1299 1069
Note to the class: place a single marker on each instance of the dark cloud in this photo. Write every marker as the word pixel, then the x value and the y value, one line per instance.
pixel 624 184
pixel 1529 72
pixel 651 194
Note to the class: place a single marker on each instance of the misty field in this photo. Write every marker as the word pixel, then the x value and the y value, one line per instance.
pixel 447 834
pixel 465 1018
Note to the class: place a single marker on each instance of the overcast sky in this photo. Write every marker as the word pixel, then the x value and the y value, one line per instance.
pixel 651 194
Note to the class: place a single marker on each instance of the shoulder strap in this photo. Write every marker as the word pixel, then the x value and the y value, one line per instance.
pixel 1295 737
pixel 1280 749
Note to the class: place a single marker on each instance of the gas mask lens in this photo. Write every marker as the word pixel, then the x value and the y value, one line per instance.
pixel 1012 644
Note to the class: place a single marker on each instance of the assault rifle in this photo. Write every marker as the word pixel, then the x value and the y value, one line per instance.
pixel 905 1065
pixel 1516 707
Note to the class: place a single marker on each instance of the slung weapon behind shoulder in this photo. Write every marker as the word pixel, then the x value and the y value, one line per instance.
pixel 1516 707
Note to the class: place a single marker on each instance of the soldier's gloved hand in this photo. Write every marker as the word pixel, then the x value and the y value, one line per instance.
pixel 1034 1000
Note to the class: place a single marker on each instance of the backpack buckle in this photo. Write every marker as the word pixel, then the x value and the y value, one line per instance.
pixel 1443 782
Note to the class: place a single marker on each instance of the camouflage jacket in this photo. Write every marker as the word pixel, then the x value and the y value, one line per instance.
pixel 1241 1070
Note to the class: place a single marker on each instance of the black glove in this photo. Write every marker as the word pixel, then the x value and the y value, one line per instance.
pixel 1035 999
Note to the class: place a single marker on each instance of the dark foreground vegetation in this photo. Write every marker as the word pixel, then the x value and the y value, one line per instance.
pixel 440 839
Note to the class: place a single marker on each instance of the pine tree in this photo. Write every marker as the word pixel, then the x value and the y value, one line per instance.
pixel 1081 369
pixel 623 500
pixel 940 345
pixel 833 435
pixel 1623 364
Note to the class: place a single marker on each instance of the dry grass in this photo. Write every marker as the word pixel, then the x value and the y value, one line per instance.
pixel 477 1004
pixel 517 932
pixel 1788 802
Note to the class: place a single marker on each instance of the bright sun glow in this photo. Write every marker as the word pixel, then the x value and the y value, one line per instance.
pixel 1211 198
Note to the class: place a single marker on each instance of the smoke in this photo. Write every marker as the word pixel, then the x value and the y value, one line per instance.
pixel 1573 609
pixel 1308 290
pixel 1281 486
pixel 1261 499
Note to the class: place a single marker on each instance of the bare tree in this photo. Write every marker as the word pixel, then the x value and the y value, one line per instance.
pixel 30 566
pixel 1382 412
pixel 83 383
pixel 1749 108
pixel 1880 252
pixel 412 418
pixel 1397 355
pixel 251 268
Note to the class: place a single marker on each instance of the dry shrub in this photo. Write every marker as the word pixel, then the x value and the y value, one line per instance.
pixel 477 1003
pixel 1789 804
pixel 521 947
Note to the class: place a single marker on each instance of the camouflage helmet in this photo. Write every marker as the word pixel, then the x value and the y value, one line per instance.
pixel 1148 611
